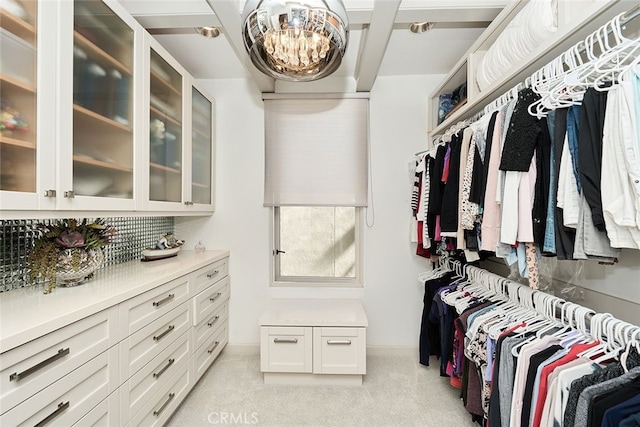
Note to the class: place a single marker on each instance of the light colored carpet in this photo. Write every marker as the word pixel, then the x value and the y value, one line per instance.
pixel 397 391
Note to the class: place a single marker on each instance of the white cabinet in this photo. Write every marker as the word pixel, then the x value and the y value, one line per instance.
pixel 210 332
pixel 131 363
pixel 180 135
pixel 61 375
pixel 313 341
pixel 107 120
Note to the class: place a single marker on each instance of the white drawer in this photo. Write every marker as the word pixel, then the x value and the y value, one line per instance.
pixel 138 350
pixel 339 350
pixel 203 331
pixel 286 349
pixel 210 274
pixel 29 368
pixel 157 410
pixel 205 303
pixel 69 399
pixel 105 414
pixel 148 380
pixel 208 352
pixel 139 311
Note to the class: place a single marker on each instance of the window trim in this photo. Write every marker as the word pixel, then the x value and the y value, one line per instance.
pixel 310 281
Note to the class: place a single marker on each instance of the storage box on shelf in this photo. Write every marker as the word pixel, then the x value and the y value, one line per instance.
pixel 313 341
pixel 575 18
pixel 158 327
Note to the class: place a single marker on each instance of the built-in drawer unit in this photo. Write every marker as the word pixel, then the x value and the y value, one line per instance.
pixel 307 341
pixel 150 378
pixel 339 350
pixel 139 311
pixel 207 276
pixel 207 353
pixel 286 349
pixel 67 400
pixel 122 350
pixel 138 349
pixel 206 302
pixel 157 410
pixel 203 330
pixel 29 368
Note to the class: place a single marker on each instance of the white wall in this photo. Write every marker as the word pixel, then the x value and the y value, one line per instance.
pixel 391 295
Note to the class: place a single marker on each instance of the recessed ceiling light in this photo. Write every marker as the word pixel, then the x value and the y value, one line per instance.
pixel 420 27
pixel 208 32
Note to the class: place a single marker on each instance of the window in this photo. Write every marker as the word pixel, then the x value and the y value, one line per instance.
pixel 316 244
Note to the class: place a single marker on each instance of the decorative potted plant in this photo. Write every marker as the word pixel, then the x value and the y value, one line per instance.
pixel 68 251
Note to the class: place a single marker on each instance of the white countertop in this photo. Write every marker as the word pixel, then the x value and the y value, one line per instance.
pixel 27 313
pixel 314 312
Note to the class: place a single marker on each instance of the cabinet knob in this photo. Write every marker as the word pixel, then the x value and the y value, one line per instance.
pixel 69 194
pixel 50 193
pixel 188 203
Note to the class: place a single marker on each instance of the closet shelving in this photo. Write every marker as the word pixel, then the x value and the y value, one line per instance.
pixel 576 19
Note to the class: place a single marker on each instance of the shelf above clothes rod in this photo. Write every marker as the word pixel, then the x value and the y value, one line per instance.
pixel 541 56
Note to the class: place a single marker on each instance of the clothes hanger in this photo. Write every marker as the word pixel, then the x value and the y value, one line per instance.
pixel 600 352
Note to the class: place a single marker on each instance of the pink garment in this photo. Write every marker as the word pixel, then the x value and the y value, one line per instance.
pixel 491 215
pixel 447 158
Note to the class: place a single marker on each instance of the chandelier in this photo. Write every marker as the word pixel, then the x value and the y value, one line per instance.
pixel 295 40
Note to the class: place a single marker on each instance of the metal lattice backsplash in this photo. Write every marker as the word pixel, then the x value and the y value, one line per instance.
pixel 17 237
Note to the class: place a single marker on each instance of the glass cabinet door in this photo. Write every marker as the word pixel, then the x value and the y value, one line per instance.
pixel 165 131
pixel 201 140
pixel 103 140
pixel 18 96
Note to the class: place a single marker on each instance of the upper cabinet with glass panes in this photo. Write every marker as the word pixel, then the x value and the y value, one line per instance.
pixel 103 94
pixel 96 115
pixel 18 99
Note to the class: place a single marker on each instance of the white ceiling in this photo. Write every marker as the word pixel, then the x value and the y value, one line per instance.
pixel 380 43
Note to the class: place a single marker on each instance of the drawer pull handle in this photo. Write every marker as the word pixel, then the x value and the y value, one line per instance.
pixel 210 275
pixel 159 337
pixel 212 299
pixel 51 416
pixel 164 405
pixel 156 375
pixel 215 345
pixel 162 301
pixel 343 342
pixel 18 376
pixel 213 321
pixel 284 340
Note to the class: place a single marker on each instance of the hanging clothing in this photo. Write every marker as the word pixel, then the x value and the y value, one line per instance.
pixel 490 229
pixel 621 161
pixel 591 128
pixel 522 134
pixel 449 210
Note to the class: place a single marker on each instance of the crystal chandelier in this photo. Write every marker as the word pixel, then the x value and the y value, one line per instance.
pixel 295 40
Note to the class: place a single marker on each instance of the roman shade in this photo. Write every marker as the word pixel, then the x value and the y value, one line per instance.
pixel 316 152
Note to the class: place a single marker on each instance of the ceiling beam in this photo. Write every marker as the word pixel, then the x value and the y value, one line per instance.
pixel 229 16
pixel 377 39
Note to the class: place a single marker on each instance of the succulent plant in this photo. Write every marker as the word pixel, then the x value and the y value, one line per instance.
pixel 64 235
